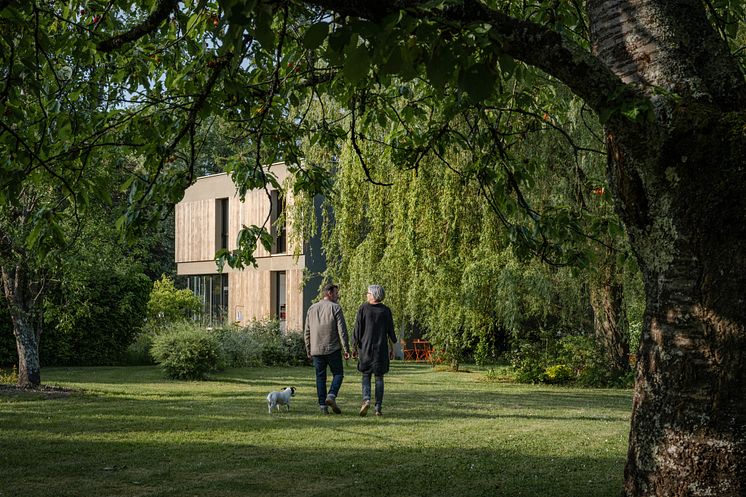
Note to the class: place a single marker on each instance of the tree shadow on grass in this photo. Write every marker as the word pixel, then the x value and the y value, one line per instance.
pixel 246 411
pixel 248 469
pixel 439 436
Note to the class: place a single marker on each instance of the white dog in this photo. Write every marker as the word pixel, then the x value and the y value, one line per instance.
pixel 281 398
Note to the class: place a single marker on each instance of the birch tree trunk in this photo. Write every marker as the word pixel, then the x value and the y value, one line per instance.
pixel 23 297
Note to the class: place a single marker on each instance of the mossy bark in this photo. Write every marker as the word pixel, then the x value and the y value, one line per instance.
pixel 689 413
pixel 677 173
pixel 23 296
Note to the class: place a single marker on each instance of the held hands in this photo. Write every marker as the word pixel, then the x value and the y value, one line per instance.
pixel 346 355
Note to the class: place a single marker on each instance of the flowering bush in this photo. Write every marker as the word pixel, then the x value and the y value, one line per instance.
pixel 559 373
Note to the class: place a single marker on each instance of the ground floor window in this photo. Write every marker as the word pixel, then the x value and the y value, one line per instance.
pixel 279 298
pixel 212 289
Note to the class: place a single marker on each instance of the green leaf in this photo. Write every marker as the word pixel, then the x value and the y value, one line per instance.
pixel 357 64
pixel 194 21
pixel 478 81
pixel 33 237
pixel 507 65
pixel 315 35
pixel 393 63
pixel 263 30
pixel 338 40
pixel 440 67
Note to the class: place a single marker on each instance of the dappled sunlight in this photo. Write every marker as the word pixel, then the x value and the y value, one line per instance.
pixel 442 433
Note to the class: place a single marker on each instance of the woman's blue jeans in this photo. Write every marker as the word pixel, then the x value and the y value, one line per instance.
pixel 379 388
pixel 334 361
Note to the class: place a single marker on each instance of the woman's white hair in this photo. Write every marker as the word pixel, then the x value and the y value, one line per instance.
pixel 377 292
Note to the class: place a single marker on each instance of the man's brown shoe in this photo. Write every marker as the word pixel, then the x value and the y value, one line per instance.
pixel 364 408
pixel 331 401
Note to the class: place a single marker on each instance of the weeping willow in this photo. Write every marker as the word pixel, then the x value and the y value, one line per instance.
pixel 435 244
pixel 437 239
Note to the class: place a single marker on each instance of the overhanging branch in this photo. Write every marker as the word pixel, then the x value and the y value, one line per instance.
pixel 525 41
pixel 159 14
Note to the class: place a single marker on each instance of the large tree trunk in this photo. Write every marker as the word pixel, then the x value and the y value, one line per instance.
pixel 24 297
pixel 689 411
pixel 678 181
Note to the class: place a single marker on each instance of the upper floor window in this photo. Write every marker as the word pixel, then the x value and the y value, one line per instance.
pixel 221 223
pixel 279 228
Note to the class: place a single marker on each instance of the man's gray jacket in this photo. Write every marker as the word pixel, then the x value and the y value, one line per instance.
pixel 325 331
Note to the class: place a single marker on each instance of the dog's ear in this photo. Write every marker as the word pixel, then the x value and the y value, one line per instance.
pixel 292 390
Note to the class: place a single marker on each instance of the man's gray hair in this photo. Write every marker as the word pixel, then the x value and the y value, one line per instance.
pixel 377 292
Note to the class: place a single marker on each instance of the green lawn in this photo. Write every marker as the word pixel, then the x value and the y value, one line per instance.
pixel 132 433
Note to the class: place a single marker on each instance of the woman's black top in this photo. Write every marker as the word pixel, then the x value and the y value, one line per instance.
pixel 374 327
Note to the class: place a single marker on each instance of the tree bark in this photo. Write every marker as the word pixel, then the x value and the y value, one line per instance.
pixel 610 320
pixel 23 296
pixel 689 411
pixel 678 184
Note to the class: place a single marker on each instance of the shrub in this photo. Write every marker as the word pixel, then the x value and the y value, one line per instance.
pixel 169 305
pixel 559 373
pixel 238 347
pixel 138 353
pixel 9 376
pixel 95 321
pixel 295 347
pixel 277 349
pixel 186 352
pixel 585 358
pixel 273 354
pixel 575 358
pixel 90 319
pixel 530 359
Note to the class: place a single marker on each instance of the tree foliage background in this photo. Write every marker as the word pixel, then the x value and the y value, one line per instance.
pixel 129 84
pixel 451 259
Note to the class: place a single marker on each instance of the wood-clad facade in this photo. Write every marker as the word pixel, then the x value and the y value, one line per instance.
pixel 209 218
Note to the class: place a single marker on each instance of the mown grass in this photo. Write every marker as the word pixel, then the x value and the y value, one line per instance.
pixel 129 432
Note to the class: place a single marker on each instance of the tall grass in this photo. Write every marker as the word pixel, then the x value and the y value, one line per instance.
pixel 129 432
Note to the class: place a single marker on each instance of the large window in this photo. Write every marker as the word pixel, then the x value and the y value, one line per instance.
pixel 212 289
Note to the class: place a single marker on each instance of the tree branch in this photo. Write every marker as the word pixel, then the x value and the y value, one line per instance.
pixel 217 65
pixel 358 152
pixel 536 45
pixel 159 14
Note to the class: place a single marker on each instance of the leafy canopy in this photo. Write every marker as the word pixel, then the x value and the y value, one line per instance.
pixel 134 83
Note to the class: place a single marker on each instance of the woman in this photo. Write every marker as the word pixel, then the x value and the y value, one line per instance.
pixel 373 339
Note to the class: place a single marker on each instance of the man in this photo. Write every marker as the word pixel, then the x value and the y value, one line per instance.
pixel 326 339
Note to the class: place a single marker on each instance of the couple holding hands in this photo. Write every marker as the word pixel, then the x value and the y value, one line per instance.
pixel 327 344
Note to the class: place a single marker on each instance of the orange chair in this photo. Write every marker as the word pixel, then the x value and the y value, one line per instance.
pixel 422 349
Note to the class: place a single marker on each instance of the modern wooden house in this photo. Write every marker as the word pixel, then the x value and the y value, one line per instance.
pixel 209 218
